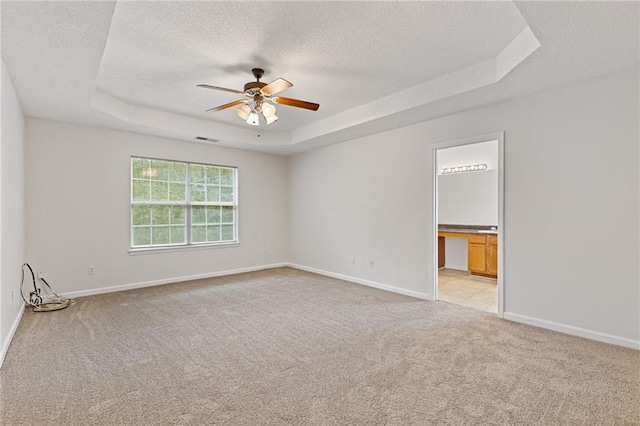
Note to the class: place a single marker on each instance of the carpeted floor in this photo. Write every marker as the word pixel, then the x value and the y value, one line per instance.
pixel 285 347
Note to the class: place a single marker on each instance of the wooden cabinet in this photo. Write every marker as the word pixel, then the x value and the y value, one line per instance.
pixel 477 257
pixel 441 252
pixel 483 255
pixel 492 255
pixel 482 252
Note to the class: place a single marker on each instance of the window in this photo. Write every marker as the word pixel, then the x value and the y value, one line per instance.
pixel 180 204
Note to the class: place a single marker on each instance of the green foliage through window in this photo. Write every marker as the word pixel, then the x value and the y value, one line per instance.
pixel 176 203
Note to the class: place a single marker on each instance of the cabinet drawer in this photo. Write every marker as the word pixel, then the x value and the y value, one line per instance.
pixel 477 239
pixel 492 239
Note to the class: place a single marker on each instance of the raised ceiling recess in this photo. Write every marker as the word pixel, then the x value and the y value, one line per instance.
pixel 373 66
pixel 369 61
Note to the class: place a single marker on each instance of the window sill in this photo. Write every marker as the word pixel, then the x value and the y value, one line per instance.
pixel 170 249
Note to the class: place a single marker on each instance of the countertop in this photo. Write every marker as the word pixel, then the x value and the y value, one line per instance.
pixel 468 229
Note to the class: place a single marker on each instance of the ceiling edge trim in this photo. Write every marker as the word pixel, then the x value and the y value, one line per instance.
pixel 473 77
pixel 188 126
pixel 478 75
pixel 519 49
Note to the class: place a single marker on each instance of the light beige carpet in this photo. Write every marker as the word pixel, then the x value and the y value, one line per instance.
pixel 284 347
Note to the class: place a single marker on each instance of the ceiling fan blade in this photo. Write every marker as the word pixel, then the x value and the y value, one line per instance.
pixel 275 86
pixel 296 103
pixel 225 106
pixel 207 86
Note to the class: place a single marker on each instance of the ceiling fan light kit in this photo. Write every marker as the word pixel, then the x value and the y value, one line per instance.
pixel 268 110
pixel 271 119
pixel 260 98
pixel 244 111
pixel 253 119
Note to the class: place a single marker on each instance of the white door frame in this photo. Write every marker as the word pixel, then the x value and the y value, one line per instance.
pixel 432 237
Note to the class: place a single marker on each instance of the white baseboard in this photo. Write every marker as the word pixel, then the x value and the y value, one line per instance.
pixel 368 283
pixel 7 341
pixel 574 331
pixel 123 287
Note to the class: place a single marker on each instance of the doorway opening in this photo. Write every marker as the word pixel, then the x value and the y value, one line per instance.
pixel 466 217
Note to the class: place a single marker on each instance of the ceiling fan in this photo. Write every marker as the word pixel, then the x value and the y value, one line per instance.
pixel 259 98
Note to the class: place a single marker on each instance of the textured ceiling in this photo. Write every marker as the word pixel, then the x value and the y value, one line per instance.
pixel 138 62
pixel 158 51
pixel 53 51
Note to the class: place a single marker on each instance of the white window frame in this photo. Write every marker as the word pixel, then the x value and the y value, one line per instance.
pixel 188 204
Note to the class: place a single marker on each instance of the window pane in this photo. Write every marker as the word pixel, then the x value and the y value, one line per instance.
pixel 178 172
pixel 197 193
pixel 160 235
pixel 213 175
pixel 177 215
pixel 160 215
pixel 213 233
pixel 139 167
pixel 159 191
pixel 227 214
pixel 213 193
pixel 142 236
pixel 140 190
pixel 178 234
pixel 177 192
pixel 198 214
pixel 141 215
pixel 227 233
pixel 199 234
pixel 213 214
pixel 159 170
pixel 161 199
pixel 198 174
pixel 226 176
pixel 226 193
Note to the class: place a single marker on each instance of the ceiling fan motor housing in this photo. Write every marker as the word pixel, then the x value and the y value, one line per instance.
pixel 254 86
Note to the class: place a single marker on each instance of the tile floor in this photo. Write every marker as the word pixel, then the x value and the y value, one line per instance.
pixel 465 289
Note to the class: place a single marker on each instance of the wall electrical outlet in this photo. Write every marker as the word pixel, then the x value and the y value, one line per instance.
pixel 92 270
pixel 353 260
pixel 371 264
pixel 13 295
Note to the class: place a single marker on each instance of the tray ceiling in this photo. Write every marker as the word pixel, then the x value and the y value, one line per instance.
pixel 372 66
pixel 340 56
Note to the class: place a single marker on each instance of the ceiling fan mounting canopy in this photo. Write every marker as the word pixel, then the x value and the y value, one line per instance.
pixel 257 73
pixel 258 97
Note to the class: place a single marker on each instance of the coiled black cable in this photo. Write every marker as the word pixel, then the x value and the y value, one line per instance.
pixel 35 299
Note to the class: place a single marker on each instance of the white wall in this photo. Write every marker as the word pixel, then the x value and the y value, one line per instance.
pixel 78 207
pixel 12 225
pixel 571 204
pixel 468 198
pixel 464 155
pixel 456 253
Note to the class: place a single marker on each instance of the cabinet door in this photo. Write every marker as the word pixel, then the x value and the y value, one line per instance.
pixel 441 246
pixel 492 258
pixel 477 258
